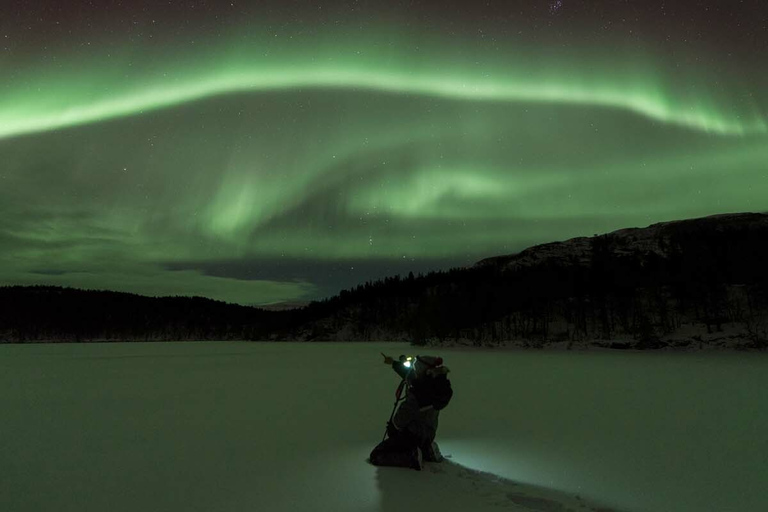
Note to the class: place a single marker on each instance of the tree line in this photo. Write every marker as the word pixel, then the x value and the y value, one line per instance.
pixel 700 273
pixel 706 272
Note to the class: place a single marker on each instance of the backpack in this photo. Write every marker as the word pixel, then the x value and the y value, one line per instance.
pixel 442 392
pixel 435 391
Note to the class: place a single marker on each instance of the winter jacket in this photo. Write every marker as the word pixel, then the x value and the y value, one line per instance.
pixel 417 414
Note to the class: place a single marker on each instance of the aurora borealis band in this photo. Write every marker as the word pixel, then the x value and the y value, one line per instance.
pixel 280 151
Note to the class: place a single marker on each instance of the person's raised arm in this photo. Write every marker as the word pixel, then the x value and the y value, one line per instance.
pixel 397 365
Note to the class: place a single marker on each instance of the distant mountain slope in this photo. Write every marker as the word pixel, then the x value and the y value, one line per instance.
pixel 689 283
pixel 52 313
pixel 656 239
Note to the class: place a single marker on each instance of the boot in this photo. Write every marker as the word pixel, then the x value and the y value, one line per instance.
pixel 431 453
pixel 417 459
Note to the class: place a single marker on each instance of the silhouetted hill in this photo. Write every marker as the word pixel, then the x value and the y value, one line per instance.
pixel 699 282
pixel 50 313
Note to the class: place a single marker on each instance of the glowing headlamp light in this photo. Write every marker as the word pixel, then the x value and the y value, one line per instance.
pixel 408 361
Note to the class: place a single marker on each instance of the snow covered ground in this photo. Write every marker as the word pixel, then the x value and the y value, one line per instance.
pixel 288 427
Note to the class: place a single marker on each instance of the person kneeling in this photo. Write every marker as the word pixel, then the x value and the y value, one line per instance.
pixel 410 436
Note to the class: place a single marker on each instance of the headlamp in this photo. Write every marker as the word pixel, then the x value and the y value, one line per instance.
pixel 407 361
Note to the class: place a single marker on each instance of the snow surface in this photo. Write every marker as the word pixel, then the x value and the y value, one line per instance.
pixel 279 427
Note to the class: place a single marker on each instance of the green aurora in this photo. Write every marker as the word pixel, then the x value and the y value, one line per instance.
pixel 161 178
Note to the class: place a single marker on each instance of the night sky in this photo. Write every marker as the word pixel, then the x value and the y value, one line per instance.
pixel 259 152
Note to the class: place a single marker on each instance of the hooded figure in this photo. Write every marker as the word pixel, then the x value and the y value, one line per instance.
pixel 410 437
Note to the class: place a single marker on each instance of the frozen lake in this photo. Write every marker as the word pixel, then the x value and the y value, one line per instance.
pixel 279 427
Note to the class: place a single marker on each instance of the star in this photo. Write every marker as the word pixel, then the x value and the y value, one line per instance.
pixel 555 6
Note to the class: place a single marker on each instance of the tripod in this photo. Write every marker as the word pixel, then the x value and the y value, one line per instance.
pixel 398 399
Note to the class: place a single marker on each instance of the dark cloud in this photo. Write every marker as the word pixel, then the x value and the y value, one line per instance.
pixel 329 277
pixel 50 272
